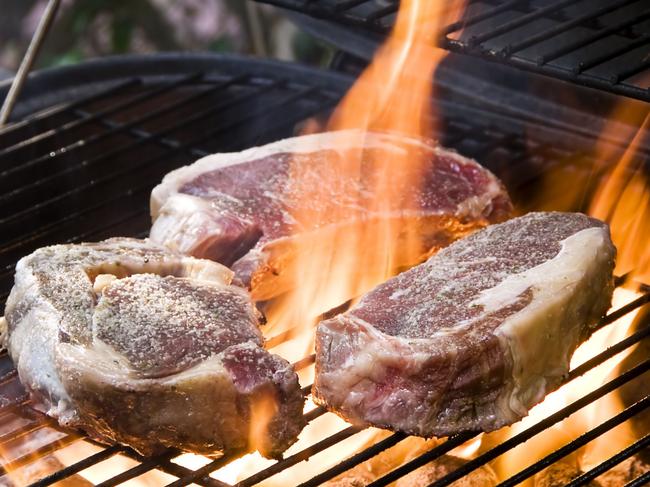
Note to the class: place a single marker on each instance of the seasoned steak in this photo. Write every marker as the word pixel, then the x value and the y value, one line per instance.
pixel 475 336
pixel 140 345
pixel 244 209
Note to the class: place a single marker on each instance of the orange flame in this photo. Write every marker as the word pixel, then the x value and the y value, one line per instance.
pixel 264 407
pixel 624 202
pixel 392 95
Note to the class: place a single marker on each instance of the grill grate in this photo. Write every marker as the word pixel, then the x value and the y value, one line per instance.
pixel 120 142
pixel 602 44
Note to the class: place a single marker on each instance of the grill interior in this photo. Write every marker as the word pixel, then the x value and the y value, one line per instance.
pixel 82 167
pixel 597 43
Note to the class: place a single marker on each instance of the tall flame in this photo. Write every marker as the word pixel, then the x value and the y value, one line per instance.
pixel 623 200
pixel 392 95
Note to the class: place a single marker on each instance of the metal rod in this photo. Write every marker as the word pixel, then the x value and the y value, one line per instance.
pixel 256 30
pixel 355 460
pixel 47 113
pixel 564 26
pixel 301 456
pixel 519 21
pixel 640 481
pixel 553 71
pixel 143 467
pixel 77 467
pixel 631 71
pixel 212 110
pixel 590 39
pixel 579 442
pixel 423 459
pixel 461 24
pixel 635 447
pixel 32 456
pixel 27 62
pixel 114 108
pixel 595 61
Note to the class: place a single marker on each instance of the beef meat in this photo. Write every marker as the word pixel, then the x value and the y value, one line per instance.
pixel 139 345
pixel 475 336
pixel 240 209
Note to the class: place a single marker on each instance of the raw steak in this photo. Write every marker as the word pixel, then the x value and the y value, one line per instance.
pixel 240 209
pixel 142 346
pixel 475 336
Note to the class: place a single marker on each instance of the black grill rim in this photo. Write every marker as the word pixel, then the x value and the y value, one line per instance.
pixel 200 476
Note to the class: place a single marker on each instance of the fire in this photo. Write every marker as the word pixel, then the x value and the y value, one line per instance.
pixel 623 200
pixel 263 408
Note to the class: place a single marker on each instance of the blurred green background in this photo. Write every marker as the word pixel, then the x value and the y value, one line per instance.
pixel 93 28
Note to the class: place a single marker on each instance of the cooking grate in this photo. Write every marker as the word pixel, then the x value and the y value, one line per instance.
pixel 83 170
pixel 598 43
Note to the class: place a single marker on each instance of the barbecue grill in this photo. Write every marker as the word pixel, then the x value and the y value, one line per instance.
pixel 89 142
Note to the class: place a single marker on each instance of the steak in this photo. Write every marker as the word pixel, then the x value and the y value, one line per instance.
pixel 139 345
pixel 241 209
pixel 475 336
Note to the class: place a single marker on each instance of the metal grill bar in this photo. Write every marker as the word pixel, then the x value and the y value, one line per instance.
pixel 145 466
pixel 438 451
pixel 383 12
pixel 581 441
pixel 632 70
pixel 143 134
pixel 24 431
pixel 573 46
pixel 300 456
pixel 46 230
pixel 634 448
pixel 348 4
pixel 167 466
pixel 461 24
pixel 75 468
pixel 34 120
pixel 595 61
pixel 563 27
pixel 39 452
pixel 157 113
pixel 518 22
pixel 207 469
pixel 355 460
pixel 639 482
pixel 563 36
pixel 149 116
pixel 207 113
pixel 114 108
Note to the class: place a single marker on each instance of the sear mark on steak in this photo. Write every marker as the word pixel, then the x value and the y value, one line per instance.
pixel 475 336
pixel 139 345
pixel 245 211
